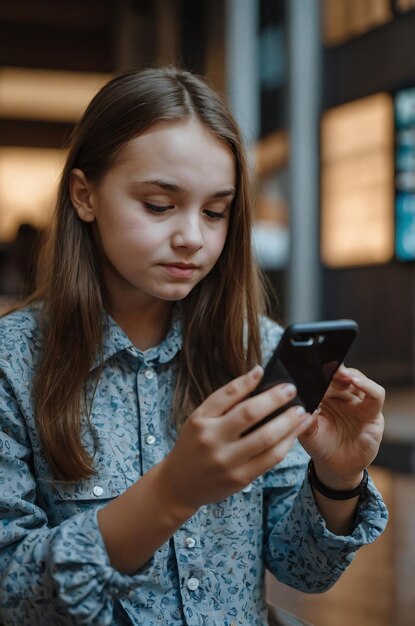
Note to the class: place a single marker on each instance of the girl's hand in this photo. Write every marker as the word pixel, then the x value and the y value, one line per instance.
pixel 211 460
pixel 346 434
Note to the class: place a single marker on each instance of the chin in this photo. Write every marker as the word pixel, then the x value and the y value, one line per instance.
pixel 175 295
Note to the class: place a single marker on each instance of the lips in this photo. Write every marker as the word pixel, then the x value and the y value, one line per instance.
pixel 180 270
pixel 184 266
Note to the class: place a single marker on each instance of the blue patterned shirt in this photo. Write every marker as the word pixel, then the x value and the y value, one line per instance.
pixel 54 568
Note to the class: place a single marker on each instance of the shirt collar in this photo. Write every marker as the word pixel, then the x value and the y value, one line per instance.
pixel 115 341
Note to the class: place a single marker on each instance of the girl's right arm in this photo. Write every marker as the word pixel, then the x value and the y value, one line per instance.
pixel 48 575
pixel 209 462
pixel 81 566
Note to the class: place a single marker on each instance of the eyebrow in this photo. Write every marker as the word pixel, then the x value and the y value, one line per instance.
pixel 173 188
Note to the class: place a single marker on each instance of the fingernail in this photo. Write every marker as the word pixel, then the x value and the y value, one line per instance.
pixel 288 390
pixel 299 410
pixel 307 420
pixel 257 372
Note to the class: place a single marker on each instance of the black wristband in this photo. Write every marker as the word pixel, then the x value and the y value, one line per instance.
pixel 336 494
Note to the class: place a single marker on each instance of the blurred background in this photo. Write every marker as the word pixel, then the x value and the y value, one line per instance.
pixel 324 92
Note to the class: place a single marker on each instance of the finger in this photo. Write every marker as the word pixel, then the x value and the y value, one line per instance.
pixel 251 411
pixel 224 398
pixel 287 425
pixel 342 386
pixel 361 382
pixel 371 389
pixel 264 461
pixel 343 391
pixel 342 378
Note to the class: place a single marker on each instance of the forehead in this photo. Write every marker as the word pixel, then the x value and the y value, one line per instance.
pixel 185 150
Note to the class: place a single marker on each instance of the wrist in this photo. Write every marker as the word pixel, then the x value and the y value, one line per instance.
pixel 336 481
pixel 353 490
pixel 174 506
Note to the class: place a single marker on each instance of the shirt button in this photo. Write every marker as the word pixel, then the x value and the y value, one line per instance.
pixel 189 542
pixel 151 439
pixel 98 490
pixel 149 374
pixel 247 489
pixel 193 584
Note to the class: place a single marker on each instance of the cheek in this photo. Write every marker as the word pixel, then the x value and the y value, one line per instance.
pixel 129 232
pixel 217 243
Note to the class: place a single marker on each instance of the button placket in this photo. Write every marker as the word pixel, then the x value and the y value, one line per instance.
pixel 151 443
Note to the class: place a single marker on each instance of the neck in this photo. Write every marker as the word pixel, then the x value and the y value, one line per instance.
pixel 145 325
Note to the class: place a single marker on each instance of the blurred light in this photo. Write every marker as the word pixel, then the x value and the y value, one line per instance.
pixel 404 5
pixel 405 175
pixel 271 244
pixel 272 56
pixel 271 153
pixel 344 19
pixel 37 94
pixel 357 221
pixel 28 185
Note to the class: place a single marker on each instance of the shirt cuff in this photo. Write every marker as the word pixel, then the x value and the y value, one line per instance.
pixel 86 582
pixel 370 521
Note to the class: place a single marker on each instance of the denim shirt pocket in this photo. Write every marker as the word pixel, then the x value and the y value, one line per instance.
pixel 62 499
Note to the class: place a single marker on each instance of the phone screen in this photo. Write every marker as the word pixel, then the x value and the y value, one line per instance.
pixel 308 356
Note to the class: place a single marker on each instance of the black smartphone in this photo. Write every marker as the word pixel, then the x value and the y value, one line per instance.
pixel 307 355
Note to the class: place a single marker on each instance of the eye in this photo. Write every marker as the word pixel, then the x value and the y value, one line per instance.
pixel 215 215
pixel 157 208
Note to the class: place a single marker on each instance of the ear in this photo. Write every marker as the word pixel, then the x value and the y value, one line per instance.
pixel 81 195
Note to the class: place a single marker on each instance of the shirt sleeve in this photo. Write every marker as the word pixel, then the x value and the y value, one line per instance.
pixel 48 575
pixel 299 549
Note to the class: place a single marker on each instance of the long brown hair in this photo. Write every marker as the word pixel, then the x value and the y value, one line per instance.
pixel 220 316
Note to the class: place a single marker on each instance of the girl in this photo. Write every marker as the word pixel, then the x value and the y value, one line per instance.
pixel 128 495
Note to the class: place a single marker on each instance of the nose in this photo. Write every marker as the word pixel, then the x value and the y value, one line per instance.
pixel 188 234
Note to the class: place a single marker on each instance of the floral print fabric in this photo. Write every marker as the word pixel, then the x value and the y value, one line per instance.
pixel 54 569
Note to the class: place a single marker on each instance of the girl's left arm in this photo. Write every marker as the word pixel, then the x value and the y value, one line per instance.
pixel 299 548
pixel 343 440
pixel 310 539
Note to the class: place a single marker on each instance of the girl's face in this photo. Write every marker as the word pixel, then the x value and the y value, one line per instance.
pixel 161 213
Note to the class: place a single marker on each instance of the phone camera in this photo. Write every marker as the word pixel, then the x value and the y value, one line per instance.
pixel 302 339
